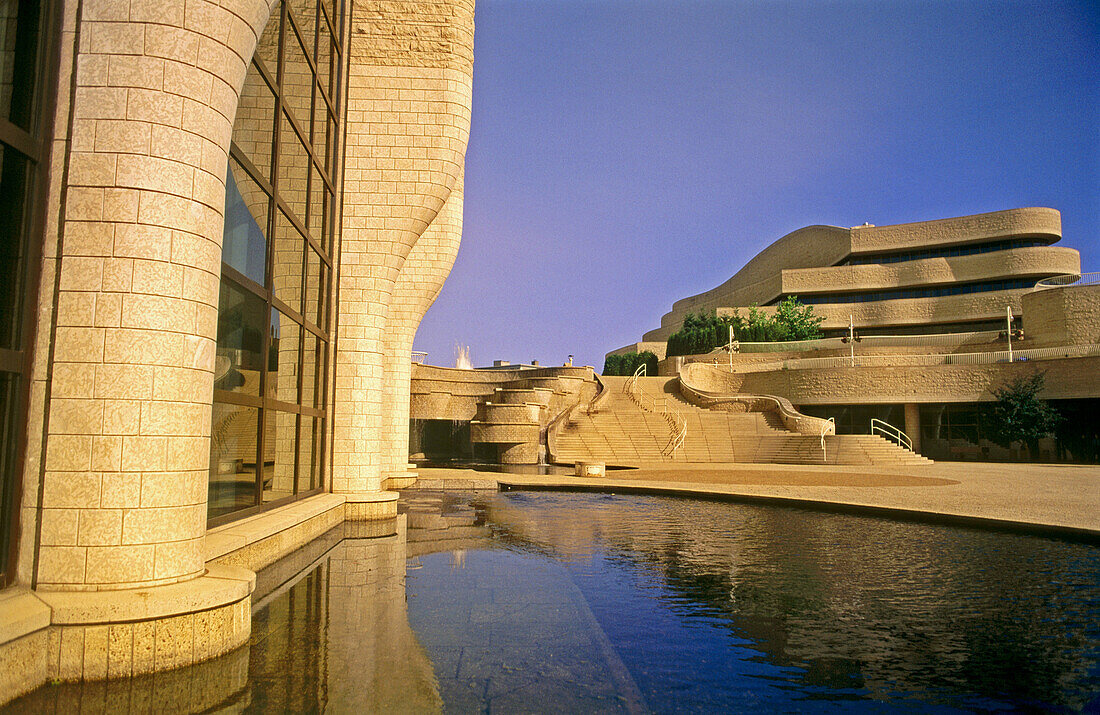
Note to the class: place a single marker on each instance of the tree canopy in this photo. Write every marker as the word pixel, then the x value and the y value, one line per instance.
pixel 702 333
pixel 1019 415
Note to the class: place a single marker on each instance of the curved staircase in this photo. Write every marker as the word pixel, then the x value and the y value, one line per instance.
pixel 621 432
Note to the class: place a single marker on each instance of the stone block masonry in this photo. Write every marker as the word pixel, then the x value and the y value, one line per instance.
pixel 114 484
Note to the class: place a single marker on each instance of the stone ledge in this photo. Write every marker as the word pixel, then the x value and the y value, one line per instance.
pixel 368 506
pixel 232 537
pixel 21 612
pixel 370 497
pixel 220 586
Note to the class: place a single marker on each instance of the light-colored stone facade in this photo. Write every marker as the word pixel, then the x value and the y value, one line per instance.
pixel 829 261
pixel 111 575
pixel 408 120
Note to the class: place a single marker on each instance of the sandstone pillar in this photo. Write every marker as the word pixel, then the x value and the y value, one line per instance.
pixel 408 118
pixel 127 404
pixel 416 289
pixel 912 424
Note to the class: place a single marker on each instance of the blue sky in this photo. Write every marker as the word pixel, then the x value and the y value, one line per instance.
pixel 625 154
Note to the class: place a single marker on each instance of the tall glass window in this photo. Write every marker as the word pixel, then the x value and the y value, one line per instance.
pixel 270 412
pixel 25 51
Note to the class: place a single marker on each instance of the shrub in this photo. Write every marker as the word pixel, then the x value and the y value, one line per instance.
pixel 627 363
pixel 702 333
pixel 1019 415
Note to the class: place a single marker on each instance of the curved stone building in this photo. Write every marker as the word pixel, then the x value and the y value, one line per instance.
pixel 928 277
pixel 223 221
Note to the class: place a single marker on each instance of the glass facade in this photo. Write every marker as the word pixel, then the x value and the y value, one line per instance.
pixel 856 419
pixel 928 292
pixel 943 252
pixel 26 29
pixel 270 412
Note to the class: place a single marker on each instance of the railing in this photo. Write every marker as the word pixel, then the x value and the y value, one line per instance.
pixel 792 419
pixel 1083 279
pixel 892 433
pixel 985 358
pixel 419 356
pixel 978 336
pixel 676 422
pixel 554 427
pixel 827 428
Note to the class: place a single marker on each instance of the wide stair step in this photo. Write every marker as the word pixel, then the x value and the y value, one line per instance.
pixel 621 432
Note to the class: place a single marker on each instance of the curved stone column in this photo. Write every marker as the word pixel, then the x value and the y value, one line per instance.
pixel 145 109
pixel 419 284
pixel 127 439
pixel 408 120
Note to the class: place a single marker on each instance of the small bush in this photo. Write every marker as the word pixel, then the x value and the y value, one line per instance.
pixel 703 333
pixel 626 364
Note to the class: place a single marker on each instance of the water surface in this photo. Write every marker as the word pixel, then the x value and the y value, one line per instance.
pixel 544 602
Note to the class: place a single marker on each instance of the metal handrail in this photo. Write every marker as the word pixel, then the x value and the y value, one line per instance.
pixel 868 340
pixel 983 358
pixel 1082 279
pixel 889 431
pixel 676 423
pixel 830 424
pixel 419 356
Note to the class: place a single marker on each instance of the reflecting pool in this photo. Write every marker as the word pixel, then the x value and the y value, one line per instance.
pixel 546 602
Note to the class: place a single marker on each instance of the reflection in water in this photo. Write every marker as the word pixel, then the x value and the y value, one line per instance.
pixel 713 605
pixel 329 633
pixel 548 602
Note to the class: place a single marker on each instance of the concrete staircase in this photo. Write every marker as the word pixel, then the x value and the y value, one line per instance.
pixel 620 432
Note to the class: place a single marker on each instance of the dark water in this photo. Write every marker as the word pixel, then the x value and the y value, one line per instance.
pixel 513 468
pixel 542 602
pixel 712 606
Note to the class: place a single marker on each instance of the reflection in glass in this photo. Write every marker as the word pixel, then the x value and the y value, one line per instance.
pixel 268 46
pixel 305 19
pixel 308 454
pixel 324 59
pixel 278 280
pixel 321 132
pixel 238 363
pixel 314 304
pixel 278 474
pixel 13 183
pixel 311 370
pixel 297 81
pixel 314 224
pixel 244 246
pixel 233 430
pixel 254 125
pixel 293 169
pixel 282 358
pixel 18 60
pixel 287 269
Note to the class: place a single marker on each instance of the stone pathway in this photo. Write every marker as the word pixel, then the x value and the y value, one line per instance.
pixel 1065 498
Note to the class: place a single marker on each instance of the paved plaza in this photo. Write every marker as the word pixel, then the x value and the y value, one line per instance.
pixel 1064 498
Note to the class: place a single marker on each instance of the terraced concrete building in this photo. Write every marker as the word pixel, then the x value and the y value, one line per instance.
pixel 928 301
pixel 954 274
pixel 222 221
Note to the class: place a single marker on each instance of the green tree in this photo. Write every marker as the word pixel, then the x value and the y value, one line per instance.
pixel 795 321
pixel 1019 415
pixel 627 363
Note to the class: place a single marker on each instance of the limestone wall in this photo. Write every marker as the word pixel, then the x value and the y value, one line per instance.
pixel 416 289
pixel 1037 221
pixel 118 431
pixel 1037 261
pixel 1065 378
pixel 408 120
pixel 1062 316
pixel 804 262
pixel 124 378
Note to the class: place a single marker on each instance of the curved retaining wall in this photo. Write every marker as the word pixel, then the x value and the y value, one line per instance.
pixel 703 385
